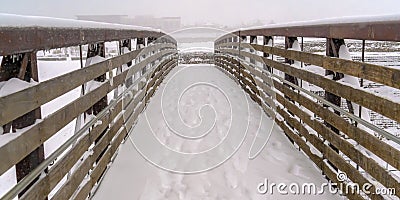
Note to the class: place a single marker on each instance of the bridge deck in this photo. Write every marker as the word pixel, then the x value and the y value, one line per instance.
pixel 132 177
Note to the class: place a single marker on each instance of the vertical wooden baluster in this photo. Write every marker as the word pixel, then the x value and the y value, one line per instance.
pixel 332 50
pixel 23 66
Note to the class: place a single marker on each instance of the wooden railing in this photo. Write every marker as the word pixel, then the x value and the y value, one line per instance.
pixel 88 153
pixel 315 124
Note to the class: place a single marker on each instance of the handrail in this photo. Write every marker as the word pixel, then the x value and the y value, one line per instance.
pixel 368 29
pixel 21 34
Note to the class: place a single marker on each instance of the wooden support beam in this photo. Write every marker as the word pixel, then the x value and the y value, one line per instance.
pixel 266 41
pixel 128 44
pixel 24 67
pixel 97 50
pixel 332 50
pixel 289 41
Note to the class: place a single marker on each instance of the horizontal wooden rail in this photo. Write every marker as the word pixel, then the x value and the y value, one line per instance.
pixel 24 101
pixel 57 172
pixel 32 138
pixel 386 75
pixel 386 107
pixel 29 39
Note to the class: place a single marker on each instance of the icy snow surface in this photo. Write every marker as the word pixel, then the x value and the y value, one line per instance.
pixel 12 20
pixel 132 177
pixel 14 85
pixel 338 20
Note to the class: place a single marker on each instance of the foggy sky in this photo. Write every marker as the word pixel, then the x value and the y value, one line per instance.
pixel 226 12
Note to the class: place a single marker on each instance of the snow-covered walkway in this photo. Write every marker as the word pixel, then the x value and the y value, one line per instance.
pixel 184 105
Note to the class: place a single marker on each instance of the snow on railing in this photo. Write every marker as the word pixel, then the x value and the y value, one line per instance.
pixel 23 21
pixel 21 34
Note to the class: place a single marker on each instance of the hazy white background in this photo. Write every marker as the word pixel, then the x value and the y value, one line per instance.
pixel 226 12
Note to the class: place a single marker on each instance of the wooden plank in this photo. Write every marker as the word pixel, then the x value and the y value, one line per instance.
pixel 17 104
pixel 317 160
pixel 268 99
pixel 253 71
pixel 253 91
pixel 378 104
pixel 158 81
pixel 44 186
pixel 133 104
pixel 101 166
pixel 158 72
pixel 138 67
pixel 129 97
pixel 15 40
pixel 24 65
pixel 22 102
pixel 380 74
pixel 71 185
pixel 224 70
pixel 130 122
pixel 243 53
pixel 368 164
pixel 134 92
pixel 52 124
pixel 370 142
pixel 36 135
pixel 300 142
pixel 84 191
pixel 328 152
pixel 268 110
pixel 371 30
pixel 314 140
pixel 265 88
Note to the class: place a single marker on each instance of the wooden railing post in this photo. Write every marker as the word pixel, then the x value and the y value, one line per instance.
pixel 332 50
pixel 266 40
pixel 253 40
pixel 289 41
pixel 24 67
pixel 128 44
pixel 242 39
pixel 289 44
pixel 97 50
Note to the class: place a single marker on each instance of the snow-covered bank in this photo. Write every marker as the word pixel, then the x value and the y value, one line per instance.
pixel 132 177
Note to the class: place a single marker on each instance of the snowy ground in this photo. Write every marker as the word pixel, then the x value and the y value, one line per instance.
pixel 132 177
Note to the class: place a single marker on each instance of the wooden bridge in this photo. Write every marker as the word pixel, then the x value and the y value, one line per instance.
pixel 311 122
